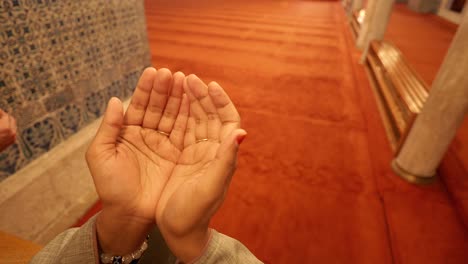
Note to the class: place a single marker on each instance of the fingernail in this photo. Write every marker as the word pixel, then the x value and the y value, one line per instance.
pixel 240 138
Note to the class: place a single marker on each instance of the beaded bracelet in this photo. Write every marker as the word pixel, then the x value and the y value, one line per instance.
pixel 126 259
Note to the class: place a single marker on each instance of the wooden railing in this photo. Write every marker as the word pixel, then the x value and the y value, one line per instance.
pixel 401 93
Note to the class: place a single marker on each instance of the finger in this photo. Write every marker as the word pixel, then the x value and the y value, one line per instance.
pixel 200 92
pixel 190 138
pixel 136 110
pixel 108 132
pixel 15 126
pixel 173 104
pixel 177 136
pixel 227 112
pixel 12 123
pixel 158 98
pixel 224 165
pixel 196 113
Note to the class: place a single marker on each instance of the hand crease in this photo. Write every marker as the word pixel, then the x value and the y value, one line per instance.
pixel 135 149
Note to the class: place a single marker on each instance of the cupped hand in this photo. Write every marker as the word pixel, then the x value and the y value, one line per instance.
pixel 200 179
pixel 170 158
pixel 133 156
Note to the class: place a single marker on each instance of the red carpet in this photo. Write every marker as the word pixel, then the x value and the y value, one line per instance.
pixel 314 183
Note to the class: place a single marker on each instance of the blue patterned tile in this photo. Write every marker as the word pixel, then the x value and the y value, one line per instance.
pixel 95 104
pixel 70 119
pixel 41 136
pixel 60 61
pixel 58 100
pixel 9 158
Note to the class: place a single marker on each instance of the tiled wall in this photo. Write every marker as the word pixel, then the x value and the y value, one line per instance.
pixel 60 61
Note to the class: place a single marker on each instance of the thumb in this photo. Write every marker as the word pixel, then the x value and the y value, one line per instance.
pixel 225 161
pixel 111 124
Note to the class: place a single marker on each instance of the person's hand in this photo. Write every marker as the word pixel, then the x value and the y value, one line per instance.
pixel 200 179
pixel 7 130
pixel 132 157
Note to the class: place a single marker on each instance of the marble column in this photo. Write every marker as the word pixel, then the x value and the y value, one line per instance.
pixel 424 6
pixel 443 112
pixel 353 7
pixel 363 32
pixel 357 5
pixel 375 23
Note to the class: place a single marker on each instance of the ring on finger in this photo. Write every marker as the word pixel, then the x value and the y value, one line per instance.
pixel 162 133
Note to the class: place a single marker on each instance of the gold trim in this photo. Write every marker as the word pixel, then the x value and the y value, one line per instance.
pixel 419 180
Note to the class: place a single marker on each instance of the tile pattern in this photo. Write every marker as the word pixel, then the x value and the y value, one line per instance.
pixel 60 61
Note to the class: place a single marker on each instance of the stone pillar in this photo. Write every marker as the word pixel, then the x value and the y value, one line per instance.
pixel 375 23
pixel 364 31
pixel 353 7
pixel 443 112
pixel 424 6
pixel 357 5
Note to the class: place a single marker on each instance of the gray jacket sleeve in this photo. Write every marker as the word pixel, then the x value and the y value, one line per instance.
pixel 76 245
pixel 79 245
pixel 224 249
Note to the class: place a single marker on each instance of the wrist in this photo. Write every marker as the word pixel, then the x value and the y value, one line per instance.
pixel 188 247
pixel 120 234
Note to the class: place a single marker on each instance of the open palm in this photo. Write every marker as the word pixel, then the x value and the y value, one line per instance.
pixel 132 170
pixel 199 180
